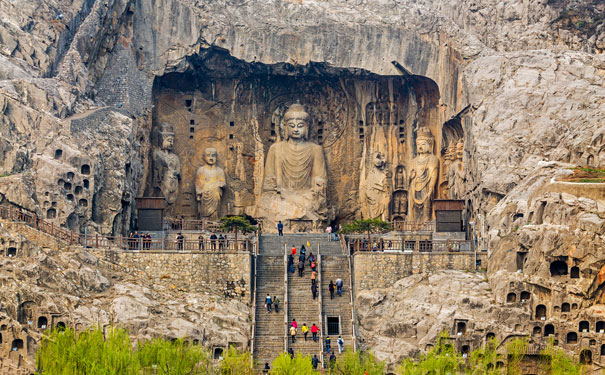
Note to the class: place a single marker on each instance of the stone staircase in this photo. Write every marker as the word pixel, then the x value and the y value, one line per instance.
pixel 333 267
pixel 269 331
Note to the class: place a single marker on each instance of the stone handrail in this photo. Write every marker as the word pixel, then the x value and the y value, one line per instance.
pixel 253 308
pixel 198 225
pixel 318 282
pixel 351 292
pixel 413 226
pixel 125 243
pixel 423 246
pixel 286 297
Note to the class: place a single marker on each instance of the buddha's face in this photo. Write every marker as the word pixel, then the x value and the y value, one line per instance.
pixel 378 160
pixel 210 155
pixel 167 141
pixel 423 146
pixel 297 127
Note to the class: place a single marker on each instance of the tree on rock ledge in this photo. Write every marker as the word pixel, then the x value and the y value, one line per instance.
pixel 367 226
pixel 235 224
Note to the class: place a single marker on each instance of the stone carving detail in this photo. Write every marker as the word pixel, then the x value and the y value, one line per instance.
pixel 166 166
pixel 209 186
pixel 295 176
pixel 375 190
pixel 455 171
pixel 400 195
pixel 400 182
pixel 423 177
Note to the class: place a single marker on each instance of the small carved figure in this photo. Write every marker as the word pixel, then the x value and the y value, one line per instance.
pixel 209 185
pixel 376 190
pixel 423 177
pixel 166 166
pixel 400 203
pixel 400 177
pixel 455 174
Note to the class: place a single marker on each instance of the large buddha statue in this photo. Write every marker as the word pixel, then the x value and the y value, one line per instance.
pixel 375 191
pixel 166 166
pixel 423 178
pixel 295 177
pixel 209 186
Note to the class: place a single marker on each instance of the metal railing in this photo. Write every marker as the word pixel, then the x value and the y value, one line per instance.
pixel 173 223
pixel 380 244
pixel 255 259
pixel 125 243
pixel 343 244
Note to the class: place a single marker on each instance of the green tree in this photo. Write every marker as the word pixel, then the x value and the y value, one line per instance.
pixel 299 365
pixel 516 351
pixel 164 357
pixel 556 362
pixel 482 361
pixel 367 226
pixel 236 224
pixel 236 363
pixel 357 363
pixel 440 360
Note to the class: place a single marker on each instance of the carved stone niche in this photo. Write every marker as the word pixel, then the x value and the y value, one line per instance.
pixel 400 204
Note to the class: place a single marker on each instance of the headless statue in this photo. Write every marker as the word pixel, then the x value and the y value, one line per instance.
pixel 375 191
pixel 209 186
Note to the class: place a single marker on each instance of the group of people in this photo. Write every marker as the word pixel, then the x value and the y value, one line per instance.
pixel 271 303
pixel 302 258
pixel 221 241
pixel 338 285
pixel 139 241
pixel 293 331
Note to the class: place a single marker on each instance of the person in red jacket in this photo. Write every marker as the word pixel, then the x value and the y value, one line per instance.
pixel 314 331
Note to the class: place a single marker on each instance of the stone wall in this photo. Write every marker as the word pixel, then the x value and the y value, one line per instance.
pixel 373 270
pixel 221 273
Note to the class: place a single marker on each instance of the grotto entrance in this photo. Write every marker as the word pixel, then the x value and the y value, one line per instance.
pixel 366 125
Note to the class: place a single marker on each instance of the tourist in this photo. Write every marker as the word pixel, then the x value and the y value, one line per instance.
pixel 221 242
pixel 332 360
pixel 305 330
pixel 200 242
pixel 303 252
pixel 331 289
pixel 130 241
pixel 280 229
pixel 339 286
pixel 267 368
pixel 313 277
pixel 268 303
pixel 311 258
pixel 291 353
pixel 294 324
pixel 293 251
pixel 180 239
pixel 293 334
pixel 291 263
pixel 314 266
pixel 327 341
pixel 315 362
pixel 314 331
pixel 213 239
pixel 136 240
pixel 301 268
pixel 341 345
pixel 314 290
pixel 148 236
pixel 276 303
pixel 329 232
pixel 308 245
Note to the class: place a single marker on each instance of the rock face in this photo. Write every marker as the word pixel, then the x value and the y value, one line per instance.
pixel 513 90
pixel 50 285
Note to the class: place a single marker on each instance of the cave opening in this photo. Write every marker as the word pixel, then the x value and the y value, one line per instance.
pixel 238 108
pixel 541 312
pixel 584 326
pixel 572 338
pixel 549 330
pixel 565 307
pixel 558 268
pixel 586 357
pixel 16 345
pixel 600 327
pixel 525 296
pixel 511 297
pixel 574 273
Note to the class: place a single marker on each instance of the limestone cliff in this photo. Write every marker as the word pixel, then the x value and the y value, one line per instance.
pixel 520 83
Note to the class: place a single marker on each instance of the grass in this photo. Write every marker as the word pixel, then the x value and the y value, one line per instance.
pixel 586 175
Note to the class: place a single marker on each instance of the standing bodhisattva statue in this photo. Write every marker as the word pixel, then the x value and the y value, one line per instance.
pixel 166 166
pixel 295 179
pixel 209 185
pixel 423 178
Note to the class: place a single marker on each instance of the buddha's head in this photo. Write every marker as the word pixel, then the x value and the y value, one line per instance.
pixel 296 120
pixel 166 137
pixel 210 155
pixel 379 160
pixel 424 141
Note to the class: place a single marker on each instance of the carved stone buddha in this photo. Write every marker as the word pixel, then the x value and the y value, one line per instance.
pixel 166 166
pixel 295 177
pixel 209 185
pixel 423 178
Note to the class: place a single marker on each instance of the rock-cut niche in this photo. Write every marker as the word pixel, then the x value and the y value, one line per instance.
pixel 231 112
